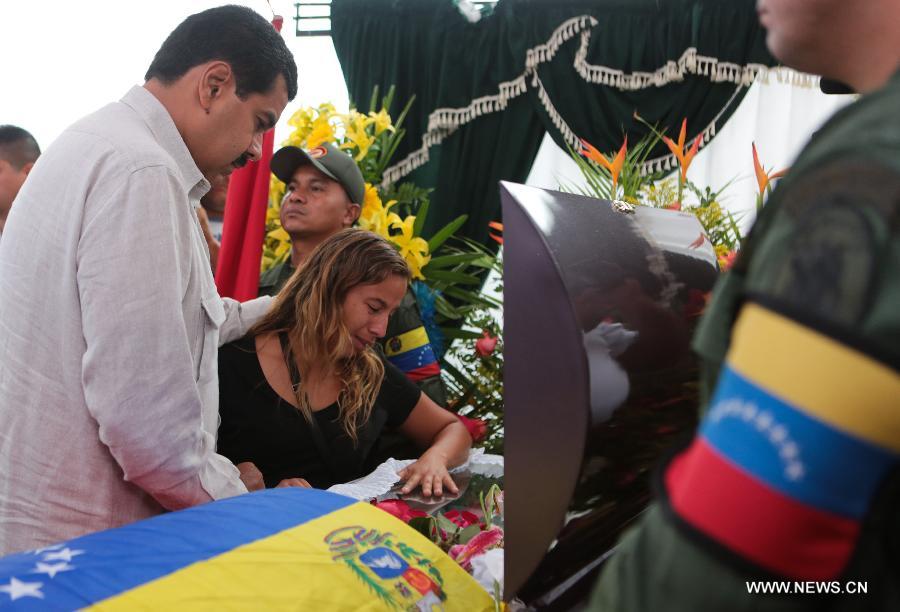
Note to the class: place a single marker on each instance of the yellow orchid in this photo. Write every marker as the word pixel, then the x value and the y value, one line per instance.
pixel 282 240
pixel 355 132
pixel 302 119
pixel 684 158
pixel 376 217
pixel 614 166
pixel 381 120
pixel 322 131
pixel 412 248
pixel 276 193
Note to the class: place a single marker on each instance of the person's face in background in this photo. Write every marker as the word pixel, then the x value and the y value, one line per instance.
pixel 367 308
pixel 11 180
pixel 315 206
pixel 214 200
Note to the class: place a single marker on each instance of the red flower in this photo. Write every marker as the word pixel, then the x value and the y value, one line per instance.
pixel 463 518
pixel 486 345
pixel 399 509
pixel 477 428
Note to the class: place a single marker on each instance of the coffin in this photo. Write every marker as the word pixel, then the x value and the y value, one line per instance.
pixel 600 302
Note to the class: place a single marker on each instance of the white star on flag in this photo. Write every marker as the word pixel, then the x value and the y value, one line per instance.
pixel 52 569
pixel 41 551
pixel 65 554
pixel 16 589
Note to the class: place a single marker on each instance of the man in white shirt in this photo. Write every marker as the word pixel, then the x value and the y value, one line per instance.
pixel 110 321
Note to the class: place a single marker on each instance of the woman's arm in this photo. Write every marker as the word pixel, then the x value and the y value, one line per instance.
pixel 447 442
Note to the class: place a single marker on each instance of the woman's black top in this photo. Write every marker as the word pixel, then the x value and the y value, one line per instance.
pixel 258 425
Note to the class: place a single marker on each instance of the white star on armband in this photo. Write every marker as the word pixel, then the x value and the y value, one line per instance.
pixel 52 569
pixel 65 554
pixel 16 589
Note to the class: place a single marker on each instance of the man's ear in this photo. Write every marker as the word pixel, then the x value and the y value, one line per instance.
pixel 27 168
pixel 215 80
pixel 352 214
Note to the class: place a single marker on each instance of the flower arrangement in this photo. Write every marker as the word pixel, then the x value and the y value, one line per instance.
pixel 467 534
pixel 619 177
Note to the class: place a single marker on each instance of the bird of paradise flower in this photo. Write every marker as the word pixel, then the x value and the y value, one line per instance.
pixel 763 179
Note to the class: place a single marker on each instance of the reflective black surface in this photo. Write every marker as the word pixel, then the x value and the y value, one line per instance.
pixel 600 302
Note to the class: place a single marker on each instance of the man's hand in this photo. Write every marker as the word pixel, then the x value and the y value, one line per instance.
pixel 294 482
pixel 251 476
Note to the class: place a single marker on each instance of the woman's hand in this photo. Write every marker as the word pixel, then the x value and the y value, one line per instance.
pixel 294 482
pixel 251 476
pixel 429 472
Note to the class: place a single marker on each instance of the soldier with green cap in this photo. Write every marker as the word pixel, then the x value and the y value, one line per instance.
pixel 324 193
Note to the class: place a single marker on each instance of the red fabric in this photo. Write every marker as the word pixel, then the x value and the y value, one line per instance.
pixel 237 273
pixel 432 369
pixel 757 522
pixel 477 427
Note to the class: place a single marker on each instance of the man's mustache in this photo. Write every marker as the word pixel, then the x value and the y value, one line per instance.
pixel 241 161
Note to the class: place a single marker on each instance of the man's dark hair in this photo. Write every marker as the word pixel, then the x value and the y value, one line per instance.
pixel 234 34
pixel 17 146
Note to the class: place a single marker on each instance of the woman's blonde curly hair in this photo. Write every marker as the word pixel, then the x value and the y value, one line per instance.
pixel 309 310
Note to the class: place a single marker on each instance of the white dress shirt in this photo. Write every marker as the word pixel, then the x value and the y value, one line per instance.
pixel 110 325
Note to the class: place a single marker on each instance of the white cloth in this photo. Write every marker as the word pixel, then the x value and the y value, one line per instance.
pixel 380 480
pixel 110 325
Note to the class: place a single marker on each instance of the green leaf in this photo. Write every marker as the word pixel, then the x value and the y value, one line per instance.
pixel 374 99
pixel 463 334
pixel 447 525
pixel 450 276
pixel 424 525
pixel 444 308
pixel 445 261
pixel 468 533
pixel 472 298
pixel 445 232
pixel 420 222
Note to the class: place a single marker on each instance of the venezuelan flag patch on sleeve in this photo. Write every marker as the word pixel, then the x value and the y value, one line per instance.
pixel 281 549
pixel 800 433
pixel 411 353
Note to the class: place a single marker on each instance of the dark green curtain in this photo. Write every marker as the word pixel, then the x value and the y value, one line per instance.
pixel 427 48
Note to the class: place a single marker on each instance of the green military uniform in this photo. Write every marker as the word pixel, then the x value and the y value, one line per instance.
pixel 826 251
pixel 405 319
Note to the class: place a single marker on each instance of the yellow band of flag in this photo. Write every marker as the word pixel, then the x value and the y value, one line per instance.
pixel 826 379
pixel 317 566
pixel 408 341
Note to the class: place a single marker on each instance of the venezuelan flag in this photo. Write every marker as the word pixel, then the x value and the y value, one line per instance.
pixel 801 431
pixel 412 354
pixel 298 549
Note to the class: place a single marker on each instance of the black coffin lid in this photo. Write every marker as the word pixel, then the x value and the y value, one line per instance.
pixel 600 301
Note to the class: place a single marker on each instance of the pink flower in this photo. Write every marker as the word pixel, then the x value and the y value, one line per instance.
pixel 480 544
pixel 477 428
pixel 486 345
pixel 463 518
pixel 399 509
